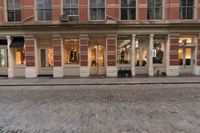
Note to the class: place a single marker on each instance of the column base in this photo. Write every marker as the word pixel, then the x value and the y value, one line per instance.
pixel 10 72
pixel 133 72
pixel 31 72
pixel 58 72
pixel 111 71
pixel 151 72
pixel 196 70
pixel 172 70
pixel 84 72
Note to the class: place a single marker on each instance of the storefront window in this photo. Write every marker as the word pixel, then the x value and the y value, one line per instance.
pixel 19 56
pixel 2 58
pixel 180 56
pixel 158 53
pixel 123 51
pixel 71 54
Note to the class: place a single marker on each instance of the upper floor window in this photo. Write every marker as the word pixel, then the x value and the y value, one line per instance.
pixel 70 7
pixel 154 9
pixel 97 9
pixel 186 9
pixel 13 10
pixel 44 10
pixel 128 9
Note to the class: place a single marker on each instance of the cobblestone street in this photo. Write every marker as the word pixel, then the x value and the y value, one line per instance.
pixel 100 109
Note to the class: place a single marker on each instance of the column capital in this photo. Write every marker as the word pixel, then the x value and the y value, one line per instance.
pixel 133 35
pixel 29 36
pixel 8 37
pixel 151 35
pixel 56 36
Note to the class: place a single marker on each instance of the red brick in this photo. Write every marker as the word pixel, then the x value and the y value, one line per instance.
pixel 174 63
pixel 83 14
pixel 56 14
pixel 142 14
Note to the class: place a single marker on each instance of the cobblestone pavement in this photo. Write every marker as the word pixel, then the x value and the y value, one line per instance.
pixel 100 109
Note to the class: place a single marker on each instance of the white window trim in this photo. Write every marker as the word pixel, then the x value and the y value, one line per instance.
pixel 163 12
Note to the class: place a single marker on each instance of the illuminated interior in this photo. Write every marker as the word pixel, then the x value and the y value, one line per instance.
pixel 123 52
pixel 71 54
pixel 2 58
pixel 188 53
pixel 188 39
pixel 185 55
pixel 19 56
pixel 50 57
pixel 97 56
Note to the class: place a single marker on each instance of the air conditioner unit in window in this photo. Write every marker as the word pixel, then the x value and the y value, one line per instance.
pixel 73 18
pixel 64 18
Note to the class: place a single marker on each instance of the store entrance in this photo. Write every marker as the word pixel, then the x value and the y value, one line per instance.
pixel 186 60
pixel 141 59
pixel 46 61
pixel 97 60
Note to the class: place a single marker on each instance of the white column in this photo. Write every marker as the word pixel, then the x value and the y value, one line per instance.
pixel 133 55
pixel 10 58
pixel 150 69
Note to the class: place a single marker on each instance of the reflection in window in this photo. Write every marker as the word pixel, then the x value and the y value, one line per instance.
pixel 180 56
pixel 97 9
pixel 19 56
pixel 128 9
pixel 44 10
pixel 159 54
pixel 154 10
pixel 13 10
pixel 186 9
pixel 2 58
pixel 70 7
pixel 71 54
pixel 123 51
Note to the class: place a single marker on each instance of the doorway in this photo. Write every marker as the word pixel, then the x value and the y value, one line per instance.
pixel 186 60
pixel 46 61
pixel 97 60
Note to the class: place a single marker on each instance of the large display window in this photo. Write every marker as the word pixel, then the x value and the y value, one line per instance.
pixel 19 56
pixel 71 51
pixel 123 51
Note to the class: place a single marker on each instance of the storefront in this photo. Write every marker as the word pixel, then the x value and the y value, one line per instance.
pixel 3 58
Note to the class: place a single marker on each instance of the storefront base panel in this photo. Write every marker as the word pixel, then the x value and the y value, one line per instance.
pixel 197 70
pixel 141 70
pixel 185 70
pixel 58 72
pixel 19 72
pixel 72 71
pixel 159 70
pixel 173 71
pixel 3 72
pixel 84 72
pixel 31 72
pixel 111 71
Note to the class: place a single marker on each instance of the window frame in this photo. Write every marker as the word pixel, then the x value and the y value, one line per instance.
pixel 44 9
pixel 70 8
pixel 14 10
pixel 128 8
pixel 154 10
pixel 186 11
pixel 89 11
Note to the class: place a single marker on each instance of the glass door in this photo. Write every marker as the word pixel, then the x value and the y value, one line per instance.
pixel 3 58
pixel 97 57
pixel 46 60
pixel 186 60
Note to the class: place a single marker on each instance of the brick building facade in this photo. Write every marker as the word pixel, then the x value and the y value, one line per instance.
pixel 99 37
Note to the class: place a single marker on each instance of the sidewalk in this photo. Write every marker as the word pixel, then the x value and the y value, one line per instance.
pixel 49 81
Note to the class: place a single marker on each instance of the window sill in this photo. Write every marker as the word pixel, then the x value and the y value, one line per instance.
pixel 20 66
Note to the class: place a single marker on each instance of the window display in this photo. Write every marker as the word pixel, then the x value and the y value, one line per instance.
pixel 123 51
pixel 19 56
pixel 159 54
pixel 2 58
pixel 71 54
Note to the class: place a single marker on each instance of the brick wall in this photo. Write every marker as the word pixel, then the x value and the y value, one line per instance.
pixel 112 9
pixel 173 56
pixel 142 9
pixel 1 11
pixel 56 10
pixel 172 9
pixel 83 10
pixel 57 52
pixel 111 51
pixel 27 12
pixel 84 41
pixel 30 52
